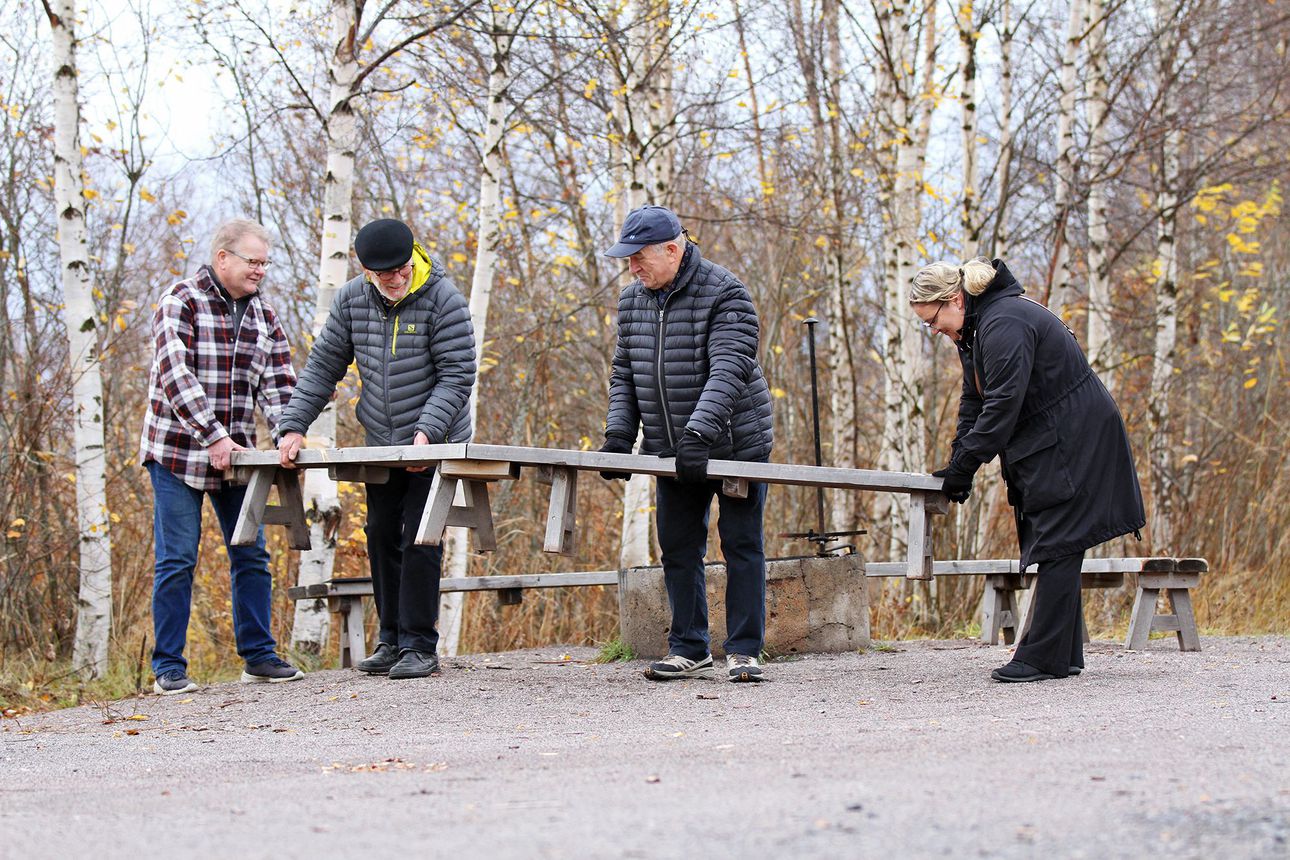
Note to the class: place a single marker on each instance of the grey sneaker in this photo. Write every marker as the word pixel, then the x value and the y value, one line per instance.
pixel 173 682
pixel 273 670
pixel 741 667
pixel 675 666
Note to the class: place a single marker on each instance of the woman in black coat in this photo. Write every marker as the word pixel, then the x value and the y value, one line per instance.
pixel 1030 397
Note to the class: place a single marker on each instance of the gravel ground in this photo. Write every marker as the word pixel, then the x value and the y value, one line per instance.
pixel 901 751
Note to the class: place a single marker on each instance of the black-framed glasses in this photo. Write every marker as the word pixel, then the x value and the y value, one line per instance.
pixel 250 261
pixel 931 324
pixel 397 272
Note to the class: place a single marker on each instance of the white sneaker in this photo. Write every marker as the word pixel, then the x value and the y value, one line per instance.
pixel 675 666
pixel 741 667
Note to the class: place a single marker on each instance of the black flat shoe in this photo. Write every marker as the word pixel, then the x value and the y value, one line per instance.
pixel 414 664
pixel 1019 673
pixel 1075 670
pixel 384 657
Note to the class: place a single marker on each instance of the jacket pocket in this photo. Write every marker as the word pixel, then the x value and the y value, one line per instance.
pixel 1037 470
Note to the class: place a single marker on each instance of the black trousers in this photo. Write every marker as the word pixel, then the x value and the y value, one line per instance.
pixel 682 516
pixel 1055 640
pixel 405 576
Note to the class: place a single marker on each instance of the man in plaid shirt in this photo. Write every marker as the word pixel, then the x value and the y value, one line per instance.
pixel 220 350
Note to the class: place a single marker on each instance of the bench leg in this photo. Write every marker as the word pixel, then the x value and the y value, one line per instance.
pixel 1144 612
pixel 1188 636
pixel 434 519
pixel 290 510
pixel 562 514
pixel 252 513
pixel 918 541
pixel 353 635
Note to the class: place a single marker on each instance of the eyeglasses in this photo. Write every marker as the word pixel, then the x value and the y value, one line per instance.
pixel 931 324
pixel 388 274
pixel 253 263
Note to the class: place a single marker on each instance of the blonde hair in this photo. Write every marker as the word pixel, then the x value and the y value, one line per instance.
pixel 230 232
pixel 942 281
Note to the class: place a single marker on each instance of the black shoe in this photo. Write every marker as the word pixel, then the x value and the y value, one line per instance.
pixel 274 670
pixel 1075 670
pixel 1019 673
pixel 414 664
pixel 385 656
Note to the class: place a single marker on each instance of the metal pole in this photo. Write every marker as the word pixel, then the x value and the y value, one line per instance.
pixel 811 323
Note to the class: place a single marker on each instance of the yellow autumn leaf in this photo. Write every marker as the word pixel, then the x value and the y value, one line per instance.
pixel 146 196
pixel 458 257
pixel 1251 382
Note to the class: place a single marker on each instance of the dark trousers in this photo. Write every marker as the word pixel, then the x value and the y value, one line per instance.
pixel 1055 640
pixel 682 514
pixel 405 577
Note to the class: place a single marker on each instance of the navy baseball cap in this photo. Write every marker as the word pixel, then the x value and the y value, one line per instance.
pixel 647 225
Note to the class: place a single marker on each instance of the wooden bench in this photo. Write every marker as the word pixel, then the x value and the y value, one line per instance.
pixel 1003 613
pixel 345 598
pixel 470 468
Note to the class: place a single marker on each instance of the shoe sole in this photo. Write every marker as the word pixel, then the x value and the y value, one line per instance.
pixel 1040 677
pixel 403 676
pixel 384 671
pixel 248 678
pixel 157 688
pixel 674 676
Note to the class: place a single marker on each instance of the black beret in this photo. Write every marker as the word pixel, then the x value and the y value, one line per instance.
pixel 383 244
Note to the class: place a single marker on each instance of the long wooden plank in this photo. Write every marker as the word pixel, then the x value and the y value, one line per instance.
pixel 985 566
pixel 382 455
pixel 766 473
pixel 528 580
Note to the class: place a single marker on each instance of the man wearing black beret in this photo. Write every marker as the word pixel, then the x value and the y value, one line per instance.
pixel 686 369
pixel 408 329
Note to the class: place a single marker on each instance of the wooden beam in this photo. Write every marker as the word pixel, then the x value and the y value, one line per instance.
pixel 562 513
pixel 358 473
pixel 251 516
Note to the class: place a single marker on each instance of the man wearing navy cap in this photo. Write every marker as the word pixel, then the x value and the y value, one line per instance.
pixel 408 329
pixel 685 369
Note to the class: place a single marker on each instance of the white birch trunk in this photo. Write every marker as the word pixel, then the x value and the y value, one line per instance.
pixel 457 555
pixel 1159 419
pixel 309 629
pixel 1061 294
pixel 843 507
pixel 94 600
pixel 1099 276
pixel 1001 233
pixel 970 217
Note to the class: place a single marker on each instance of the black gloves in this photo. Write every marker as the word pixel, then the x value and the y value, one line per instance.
pixel 616 445
pixel 692 459
pixel 958 478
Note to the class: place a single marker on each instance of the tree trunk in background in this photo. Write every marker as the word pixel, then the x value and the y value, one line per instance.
pixel 1163 485
pixel 1061 287
pixel 322 504
pixel 970 215
pixel 1001 234
pixel 457 555
pixel 1099 156
pixel 94 601
pixel 905 362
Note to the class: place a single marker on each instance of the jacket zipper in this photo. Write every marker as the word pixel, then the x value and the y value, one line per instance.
pixel 385 370
pixel 658 375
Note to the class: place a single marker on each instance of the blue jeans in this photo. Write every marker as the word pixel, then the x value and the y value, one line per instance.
pixel 682 515
pixel 177 530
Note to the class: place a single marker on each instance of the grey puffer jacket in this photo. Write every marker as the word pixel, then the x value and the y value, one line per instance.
pixel 691 364
pixel 1030 397
pixel 416 362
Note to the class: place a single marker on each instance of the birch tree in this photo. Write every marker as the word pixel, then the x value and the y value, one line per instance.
pixel 94 604
pixel 1098 161
pixel 1061 285
pixel 970 212
pixel 501 38
pixel 1006 29
pixel 1166 289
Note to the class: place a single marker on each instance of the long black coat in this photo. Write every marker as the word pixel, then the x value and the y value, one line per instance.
pixel 1030 397
pixel 691 364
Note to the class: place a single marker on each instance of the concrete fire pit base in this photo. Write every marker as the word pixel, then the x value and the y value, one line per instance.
pixel 813 605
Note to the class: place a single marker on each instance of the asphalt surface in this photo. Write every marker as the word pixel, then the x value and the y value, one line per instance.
pixel 910 752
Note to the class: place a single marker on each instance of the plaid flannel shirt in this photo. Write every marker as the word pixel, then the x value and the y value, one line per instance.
pixel 203 386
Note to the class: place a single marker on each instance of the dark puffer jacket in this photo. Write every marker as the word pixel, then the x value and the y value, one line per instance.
pixel 691 364
pixel 416 362
pixel 1064 450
